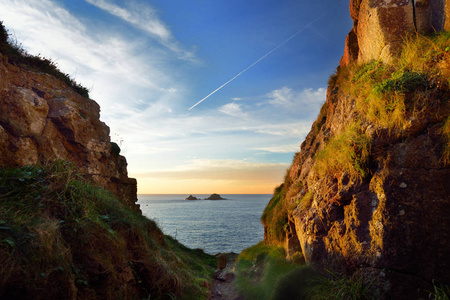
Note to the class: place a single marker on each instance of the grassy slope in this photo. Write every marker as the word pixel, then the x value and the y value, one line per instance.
pixel 62 238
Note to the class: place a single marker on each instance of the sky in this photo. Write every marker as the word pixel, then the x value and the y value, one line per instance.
pixel 260 66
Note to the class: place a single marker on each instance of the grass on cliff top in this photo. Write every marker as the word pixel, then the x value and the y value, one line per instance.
pixel 388 97
pixel 263 273
pixel 16 54
pixel 62 238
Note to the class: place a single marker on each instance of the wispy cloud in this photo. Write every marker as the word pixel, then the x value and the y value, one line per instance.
pixel 233 109
pixel 287 98
pixel 225 169
pixel 145 18
pixel 281 149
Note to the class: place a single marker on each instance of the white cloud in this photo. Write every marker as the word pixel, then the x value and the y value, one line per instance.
pixel 283 96
pixel 140 93
pixel 233 109
pixel 281 149
pixel 145 18
pixel 289 99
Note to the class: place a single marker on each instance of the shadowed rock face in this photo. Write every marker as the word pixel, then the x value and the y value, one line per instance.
pixel 42 119
pixel 381 25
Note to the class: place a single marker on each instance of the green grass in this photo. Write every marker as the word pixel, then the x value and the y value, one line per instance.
pixel 440 292
pixel 387 97
pixel 345 152
pixel 61 237
pixel 16 54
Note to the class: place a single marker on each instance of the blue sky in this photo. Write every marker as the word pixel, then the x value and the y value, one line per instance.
pixel 147 62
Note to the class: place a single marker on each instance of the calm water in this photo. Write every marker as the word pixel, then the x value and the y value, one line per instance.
pixel 215 226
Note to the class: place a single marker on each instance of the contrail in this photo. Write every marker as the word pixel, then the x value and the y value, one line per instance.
pixel 262 57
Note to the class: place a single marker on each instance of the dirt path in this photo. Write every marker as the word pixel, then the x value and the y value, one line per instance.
pixel 223 286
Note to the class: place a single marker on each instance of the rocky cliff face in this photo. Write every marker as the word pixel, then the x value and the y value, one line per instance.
pixel 379 26
pixel 368 193
pixel 43 119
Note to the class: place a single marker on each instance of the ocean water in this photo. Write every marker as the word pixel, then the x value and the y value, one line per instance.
pixel 216 226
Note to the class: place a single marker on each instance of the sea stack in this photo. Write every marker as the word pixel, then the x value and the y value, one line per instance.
pixel 215 197
pixel 191 198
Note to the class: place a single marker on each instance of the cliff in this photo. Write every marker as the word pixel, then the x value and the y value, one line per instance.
pixel 44 119
pixel 368 193
pixel 69 224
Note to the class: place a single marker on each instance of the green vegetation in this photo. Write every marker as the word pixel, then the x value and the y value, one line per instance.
pixel 306 201
pixel 62 238
pixel 321 119
pixel 346 152
pixel 274 216
pixel 264 273
pixel 388 96
pixel 16 54
pixel 440 292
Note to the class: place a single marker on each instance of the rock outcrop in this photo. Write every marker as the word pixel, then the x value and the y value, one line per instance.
pixel 390 225
pixel 43 119
pixel 191 198
pixel 381 25
pixel 215 197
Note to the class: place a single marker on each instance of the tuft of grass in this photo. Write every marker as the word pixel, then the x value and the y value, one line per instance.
pixel 346 152
pixel 321 119
pixel 440 292
pixel 337 287
pixel 306 201
pixel 63 238
pixel 18 55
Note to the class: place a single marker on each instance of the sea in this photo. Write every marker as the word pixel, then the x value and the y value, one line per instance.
pixel 216 226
